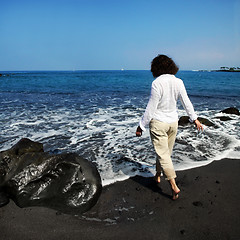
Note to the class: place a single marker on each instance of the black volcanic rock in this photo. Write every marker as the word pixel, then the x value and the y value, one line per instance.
pixel 224 118
pixel 231 110
pixel 4 199
pixel 64 182
pixel 184 120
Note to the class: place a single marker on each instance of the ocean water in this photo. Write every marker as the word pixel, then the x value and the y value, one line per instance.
pixel 95 114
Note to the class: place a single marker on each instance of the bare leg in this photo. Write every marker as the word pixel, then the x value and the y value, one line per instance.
pixel 175 189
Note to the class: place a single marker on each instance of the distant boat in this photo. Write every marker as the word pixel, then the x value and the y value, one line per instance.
pixel 122 69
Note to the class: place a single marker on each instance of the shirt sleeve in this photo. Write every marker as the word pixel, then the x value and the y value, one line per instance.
pixel 151 107
pixel 187 103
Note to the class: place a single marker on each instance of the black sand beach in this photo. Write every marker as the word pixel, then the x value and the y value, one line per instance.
pixel 208 208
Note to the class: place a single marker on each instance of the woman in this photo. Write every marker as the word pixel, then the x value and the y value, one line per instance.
pixel 161 115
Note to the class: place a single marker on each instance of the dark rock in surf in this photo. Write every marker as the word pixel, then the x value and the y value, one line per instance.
pixel 0 74
pixel 184 120
pixel 206 122
pixel 64 182
pixel 224 118
pixel 231 110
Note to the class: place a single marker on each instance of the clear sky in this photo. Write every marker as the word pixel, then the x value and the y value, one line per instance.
pixel 115 34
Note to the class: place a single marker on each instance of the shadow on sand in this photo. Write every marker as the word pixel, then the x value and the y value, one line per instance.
pixel 150 183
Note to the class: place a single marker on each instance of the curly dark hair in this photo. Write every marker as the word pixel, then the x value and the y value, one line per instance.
pixel 163 64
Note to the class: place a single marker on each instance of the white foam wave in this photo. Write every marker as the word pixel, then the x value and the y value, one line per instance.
pixel 107 138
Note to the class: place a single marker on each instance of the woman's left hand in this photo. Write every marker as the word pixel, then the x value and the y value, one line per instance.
pixel 198 125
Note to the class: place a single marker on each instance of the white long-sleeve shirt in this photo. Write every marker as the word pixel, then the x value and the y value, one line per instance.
pixel 162 105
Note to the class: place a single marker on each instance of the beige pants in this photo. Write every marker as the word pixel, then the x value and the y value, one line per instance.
pixel 163 137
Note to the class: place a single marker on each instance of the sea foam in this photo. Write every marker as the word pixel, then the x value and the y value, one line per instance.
pixel 100 124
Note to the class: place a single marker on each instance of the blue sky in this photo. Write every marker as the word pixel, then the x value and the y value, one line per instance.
pixel 114 34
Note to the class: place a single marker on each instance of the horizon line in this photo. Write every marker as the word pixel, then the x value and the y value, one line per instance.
pixel 79 70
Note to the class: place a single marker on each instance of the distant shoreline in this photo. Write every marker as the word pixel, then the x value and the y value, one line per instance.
pixel 216 70
pixel 225 70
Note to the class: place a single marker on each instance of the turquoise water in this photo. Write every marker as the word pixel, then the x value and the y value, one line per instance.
pixel 95 113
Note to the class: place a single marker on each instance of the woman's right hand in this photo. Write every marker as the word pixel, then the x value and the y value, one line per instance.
pixel 139 132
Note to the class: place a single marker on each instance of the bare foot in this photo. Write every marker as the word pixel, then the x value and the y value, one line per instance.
pixel 175 193
pixel 175 189
pixel 158 177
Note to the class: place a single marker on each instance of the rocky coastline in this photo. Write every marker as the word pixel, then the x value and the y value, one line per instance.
pixel 136 208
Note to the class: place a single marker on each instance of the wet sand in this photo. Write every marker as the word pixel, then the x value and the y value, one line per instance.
pixel 138 208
